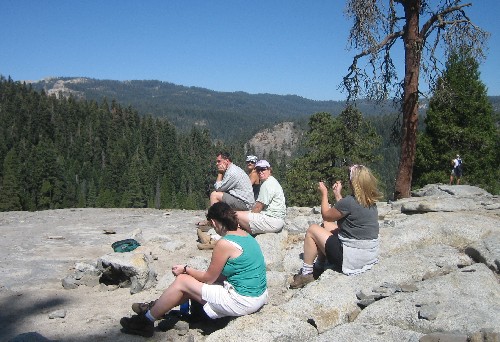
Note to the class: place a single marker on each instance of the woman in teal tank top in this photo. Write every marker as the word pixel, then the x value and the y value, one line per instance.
pixel 234 284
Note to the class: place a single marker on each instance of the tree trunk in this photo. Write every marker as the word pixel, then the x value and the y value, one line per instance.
pixel 412 47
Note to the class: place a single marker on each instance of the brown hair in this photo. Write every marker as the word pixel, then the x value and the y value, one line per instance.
pixel 223 213
pixel 224 155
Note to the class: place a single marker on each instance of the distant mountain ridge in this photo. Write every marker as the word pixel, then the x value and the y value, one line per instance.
pixel 228 115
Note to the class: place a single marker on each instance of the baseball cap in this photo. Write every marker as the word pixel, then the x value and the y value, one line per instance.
pixel 264 164
pixel 252 159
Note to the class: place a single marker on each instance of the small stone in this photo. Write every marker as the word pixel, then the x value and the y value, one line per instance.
pixel 362 295
pixel 409 288
pixel 182 328
pixel 383 291
pixel 353 315
pixel 443 337
pixel 69 283
pixel 55 237
pixel 428 312
pixel 89 280
pixel 365 302
pixel 57 314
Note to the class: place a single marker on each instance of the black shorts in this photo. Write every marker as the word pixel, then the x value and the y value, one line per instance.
pixel 333 251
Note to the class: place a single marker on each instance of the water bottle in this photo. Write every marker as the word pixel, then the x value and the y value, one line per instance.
pixel 184 308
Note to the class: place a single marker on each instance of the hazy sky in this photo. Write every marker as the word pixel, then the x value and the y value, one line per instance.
pixel 279 47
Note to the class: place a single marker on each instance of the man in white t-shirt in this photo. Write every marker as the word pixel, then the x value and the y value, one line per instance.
pixel 269 211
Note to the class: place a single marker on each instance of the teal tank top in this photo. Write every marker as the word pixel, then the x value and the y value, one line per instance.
pixel 247 272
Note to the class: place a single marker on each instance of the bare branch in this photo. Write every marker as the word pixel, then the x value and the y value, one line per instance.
pixel 351 80
pixel 376 48
pixel 436 17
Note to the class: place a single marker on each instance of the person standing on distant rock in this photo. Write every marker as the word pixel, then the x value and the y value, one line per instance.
pixel 456 171
pixel 253 175
pixel 237 259
pixel 352 246
pixel 268 214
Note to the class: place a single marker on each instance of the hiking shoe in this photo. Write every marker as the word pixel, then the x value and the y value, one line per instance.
pixel 142 308
pixel 137 325
pixel 300 280
pixel 202 236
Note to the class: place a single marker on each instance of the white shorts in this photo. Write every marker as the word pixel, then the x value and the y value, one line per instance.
pixel 223 300
pixel 260 223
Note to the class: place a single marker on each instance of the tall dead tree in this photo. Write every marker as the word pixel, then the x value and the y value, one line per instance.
pixel 377 26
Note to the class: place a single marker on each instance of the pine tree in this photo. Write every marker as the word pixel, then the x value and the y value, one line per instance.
pixel 459 121
pixel 10 191
pixel 331 145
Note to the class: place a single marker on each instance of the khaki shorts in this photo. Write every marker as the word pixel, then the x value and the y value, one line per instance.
pixel 261 223
pixel 223 300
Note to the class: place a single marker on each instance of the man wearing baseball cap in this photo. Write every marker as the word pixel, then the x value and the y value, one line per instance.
pixel 268 213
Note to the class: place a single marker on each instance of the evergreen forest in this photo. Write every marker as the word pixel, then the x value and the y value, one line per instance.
pixel 69 152
pixel 65 153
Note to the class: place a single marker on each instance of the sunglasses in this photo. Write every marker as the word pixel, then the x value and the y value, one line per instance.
pixel 261 170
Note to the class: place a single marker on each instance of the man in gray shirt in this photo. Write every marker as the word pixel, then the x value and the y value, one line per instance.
pixel 232 185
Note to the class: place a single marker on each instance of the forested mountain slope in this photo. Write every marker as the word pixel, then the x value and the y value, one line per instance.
pixel 228 115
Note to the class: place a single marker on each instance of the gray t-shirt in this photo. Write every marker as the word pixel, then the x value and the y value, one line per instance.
pixel 358 222
pixel 237 183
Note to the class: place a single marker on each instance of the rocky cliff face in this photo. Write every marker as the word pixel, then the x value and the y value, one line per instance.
pixel 282 138
pixel 437 279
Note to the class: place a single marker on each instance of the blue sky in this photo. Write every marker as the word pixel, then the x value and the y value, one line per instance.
pixel 279 47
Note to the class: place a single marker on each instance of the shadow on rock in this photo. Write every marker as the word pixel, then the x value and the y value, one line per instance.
pixel 21 306
pixel 196 320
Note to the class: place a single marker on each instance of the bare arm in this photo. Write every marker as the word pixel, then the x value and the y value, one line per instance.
pixel 254 178
pixel 328 213
pixel 223 250
pixel 258 207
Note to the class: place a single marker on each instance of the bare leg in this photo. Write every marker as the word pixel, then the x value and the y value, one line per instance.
pixel 458 181
pixel 215 197
pixel 183 288
pixel 244 220
pixel 314 242
pixel 332 228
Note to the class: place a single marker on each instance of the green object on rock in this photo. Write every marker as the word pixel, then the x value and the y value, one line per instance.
pixel 126 245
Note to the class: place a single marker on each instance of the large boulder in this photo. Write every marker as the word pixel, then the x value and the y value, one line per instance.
pixel 121 268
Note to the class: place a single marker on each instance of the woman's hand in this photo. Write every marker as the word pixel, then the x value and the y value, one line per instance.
pixel 322 188
pixel 177 269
